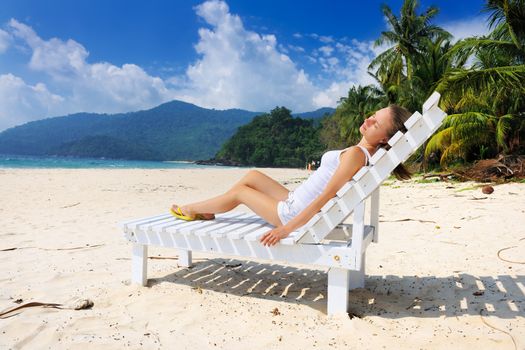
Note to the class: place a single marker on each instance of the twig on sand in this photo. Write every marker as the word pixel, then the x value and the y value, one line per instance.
pixel 80 304
pixel 454 243
pixel 501 330
pixel 442 177
pixel 72 248
pixel 507 248
pixel 407 219
pixel 70 205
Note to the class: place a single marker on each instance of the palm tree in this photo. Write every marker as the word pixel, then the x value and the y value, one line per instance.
pixel 406 37
pixel 429 67
pixel 486 102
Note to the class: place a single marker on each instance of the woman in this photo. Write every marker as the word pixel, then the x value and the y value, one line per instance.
pixel 289 210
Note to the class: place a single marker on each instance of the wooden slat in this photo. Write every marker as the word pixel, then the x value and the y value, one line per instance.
pixel 257 234
pixel 432 101
pixel 156 225
pixel 381 171
pixel 184 227
pixel 190 229
pixel 239 223
pixel 130 225
pixel 347 187
pixel 401 151
pixel 413 120
pixel 360 173
pixel 240 233
pixel 328 205
pixel 434 117
pixel 217 224
pixel 418 134
pixel 378 155
pixel 394 139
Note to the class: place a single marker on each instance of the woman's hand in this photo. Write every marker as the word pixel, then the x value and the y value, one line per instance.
pixel 272 237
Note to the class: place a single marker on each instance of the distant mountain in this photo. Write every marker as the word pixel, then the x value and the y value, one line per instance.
pixel 172 131
pixel 317 114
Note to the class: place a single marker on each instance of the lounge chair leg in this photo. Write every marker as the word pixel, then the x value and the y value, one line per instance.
pixel 184 257
pixel 337 290
pixel 357 277
pixel 139 265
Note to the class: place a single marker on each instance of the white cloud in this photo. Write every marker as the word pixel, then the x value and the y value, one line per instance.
pixel 475 26
pixel 325 39
pixel 97 87
pixel 347 67
pixel 296 48
pixel 53 56
pixel 21 102
pixel 326 50
pixel 242 69
pixel 4 40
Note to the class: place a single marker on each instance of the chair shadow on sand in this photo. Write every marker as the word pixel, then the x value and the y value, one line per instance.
pixel 388 296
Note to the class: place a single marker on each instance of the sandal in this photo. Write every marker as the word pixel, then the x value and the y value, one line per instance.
pixel 180 215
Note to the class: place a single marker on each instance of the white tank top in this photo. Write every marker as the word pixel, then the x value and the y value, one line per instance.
pixel 316 183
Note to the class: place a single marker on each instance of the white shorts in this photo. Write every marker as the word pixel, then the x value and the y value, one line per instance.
pixel 288 209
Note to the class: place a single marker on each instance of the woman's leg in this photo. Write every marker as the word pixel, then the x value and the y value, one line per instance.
pixel 265 184
pixel 261 203
pixel 254 179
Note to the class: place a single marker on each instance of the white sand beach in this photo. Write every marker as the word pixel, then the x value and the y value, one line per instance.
pixel 434 280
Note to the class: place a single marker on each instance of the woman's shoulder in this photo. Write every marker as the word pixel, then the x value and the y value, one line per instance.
pixel 353 153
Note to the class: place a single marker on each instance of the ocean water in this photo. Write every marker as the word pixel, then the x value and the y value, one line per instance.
pixel 38 162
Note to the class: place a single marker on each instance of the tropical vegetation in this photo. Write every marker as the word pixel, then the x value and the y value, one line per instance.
pixel 481 80
pixel 274 139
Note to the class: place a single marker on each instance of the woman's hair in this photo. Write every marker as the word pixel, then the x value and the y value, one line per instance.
pixel 399 116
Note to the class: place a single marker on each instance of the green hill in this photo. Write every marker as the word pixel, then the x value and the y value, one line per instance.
pixel 172 131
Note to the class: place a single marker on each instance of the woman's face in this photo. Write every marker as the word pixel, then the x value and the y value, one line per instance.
pixel 375 128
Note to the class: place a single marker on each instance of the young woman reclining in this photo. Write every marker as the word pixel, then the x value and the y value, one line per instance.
pixel 289 210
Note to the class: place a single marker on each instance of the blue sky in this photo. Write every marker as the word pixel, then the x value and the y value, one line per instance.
pixel 61 56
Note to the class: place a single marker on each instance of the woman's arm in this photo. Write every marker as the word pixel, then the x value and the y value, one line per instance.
pixel 351 161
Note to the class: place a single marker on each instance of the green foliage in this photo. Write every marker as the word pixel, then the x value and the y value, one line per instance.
pixel 274 139
pixel 487 100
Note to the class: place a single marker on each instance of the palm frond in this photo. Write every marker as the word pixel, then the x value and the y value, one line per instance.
pixel 439 141
pixel 458 80
pixel 454 151
pixel 503 127
pixel 467 47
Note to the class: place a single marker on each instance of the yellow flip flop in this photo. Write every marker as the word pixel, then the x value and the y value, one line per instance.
pixel 180 215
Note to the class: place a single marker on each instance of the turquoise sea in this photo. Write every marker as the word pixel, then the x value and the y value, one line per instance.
pixel 44 162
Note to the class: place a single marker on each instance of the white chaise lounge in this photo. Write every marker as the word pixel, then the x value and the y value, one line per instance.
pixel 323 241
